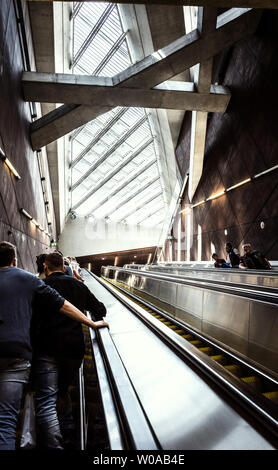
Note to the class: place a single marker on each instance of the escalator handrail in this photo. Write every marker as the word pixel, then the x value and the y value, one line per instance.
pixel 219 286
pixel 137 428
pixel 262 409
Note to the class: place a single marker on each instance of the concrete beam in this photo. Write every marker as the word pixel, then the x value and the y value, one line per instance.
pixel 54 88
pixel 151 71
pixel 204 3
pixel 206 23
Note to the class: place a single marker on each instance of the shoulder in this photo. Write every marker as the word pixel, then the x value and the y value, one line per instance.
pixel 26 275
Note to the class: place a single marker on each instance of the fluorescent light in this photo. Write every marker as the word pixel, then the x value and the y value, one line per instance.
pixel 9 164
pixel 214 196
pixel 239 184
pixel 24 212
pixel 199 203
pixel 35 223
pixel 266 171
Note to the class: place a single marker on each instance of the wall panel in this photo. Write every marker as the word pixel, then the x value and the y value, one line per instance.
pixel 15 118
pixel 241 143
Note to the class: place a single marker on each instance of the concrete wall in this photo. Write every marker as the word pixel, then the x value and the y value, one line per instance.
pixel 240 144
pixel 82 237
pixel 15 117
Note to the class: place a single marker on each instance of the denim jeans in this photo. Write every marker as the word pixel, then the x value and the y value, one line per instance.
pixel 45 383
pixel 14 374
pixel 67 376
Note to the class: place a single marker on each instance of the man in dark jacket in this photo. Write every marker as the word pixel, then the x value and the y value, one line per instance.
pixel 232 257
pixel 18 290
pixel 253 259
pixel 62 338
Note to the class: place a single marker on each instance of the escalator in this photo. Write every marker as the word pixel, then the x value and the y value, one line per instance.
pixel 165 387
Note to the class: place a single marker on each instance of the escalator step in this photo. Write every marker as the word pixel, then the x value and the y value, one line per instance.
pixel 272 396
pixel 179 331
pixel 219 358
pixel 234 369
pixel 196 342
pixel 207 350
pixel 187 336
pixel 253 381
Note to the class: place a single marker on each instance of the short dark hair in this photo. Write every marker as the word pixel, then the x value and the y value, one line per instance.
pixel 7 253
pixel 213 255
pixel 229 244
pixel 40 261
pixel 54 261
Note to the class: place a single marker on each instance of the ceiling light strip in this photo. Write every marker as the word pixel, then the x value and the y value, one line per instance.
pixel 9 164
pixel 241 183
pixel 34 221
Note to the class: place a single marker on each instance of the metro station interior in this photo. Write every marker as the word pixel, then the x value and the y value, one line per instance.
pixel 139 139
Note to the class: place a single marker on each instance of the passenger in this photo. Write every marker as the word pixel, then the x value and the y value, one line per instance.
pixel 253 259
pixel 18 289
pixel 73 266
pixel 232 257
pixel 40 264
pixel 219 262
pixel 68 269
pixel 61 341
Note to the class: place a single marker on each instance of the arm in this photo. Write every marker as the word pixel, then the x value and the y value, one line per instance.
pixel 94 306
pixel 76 275
pixel 241 266
pixel 73 312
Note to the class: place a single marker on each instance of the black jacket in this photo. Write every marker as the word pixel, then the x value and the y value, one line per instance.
pixel 58 335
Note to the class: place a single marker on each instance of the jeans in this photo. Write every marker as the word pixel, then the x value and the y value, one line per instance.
pixel 67 375
pixel 14 374
pixel 45 383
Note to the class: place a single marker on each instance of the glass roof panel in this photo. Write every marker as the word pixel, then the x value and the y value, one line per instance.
pixel 113 157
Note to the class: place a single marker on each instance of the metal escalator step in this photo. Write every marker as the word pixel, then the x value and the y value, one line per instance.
pixel 173 327
pixel 219 358
pixel 253 381
pixel 187 336
pixel 207 350
pixel 234 369
pixel 196 342
pixel 179 331
pixel 273 396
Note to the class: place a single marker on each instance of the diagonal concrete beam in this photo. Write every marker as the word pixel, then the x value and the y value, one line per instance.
pixel 54 88
pixel 204 3
pixel 207 19
pixel 151 71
